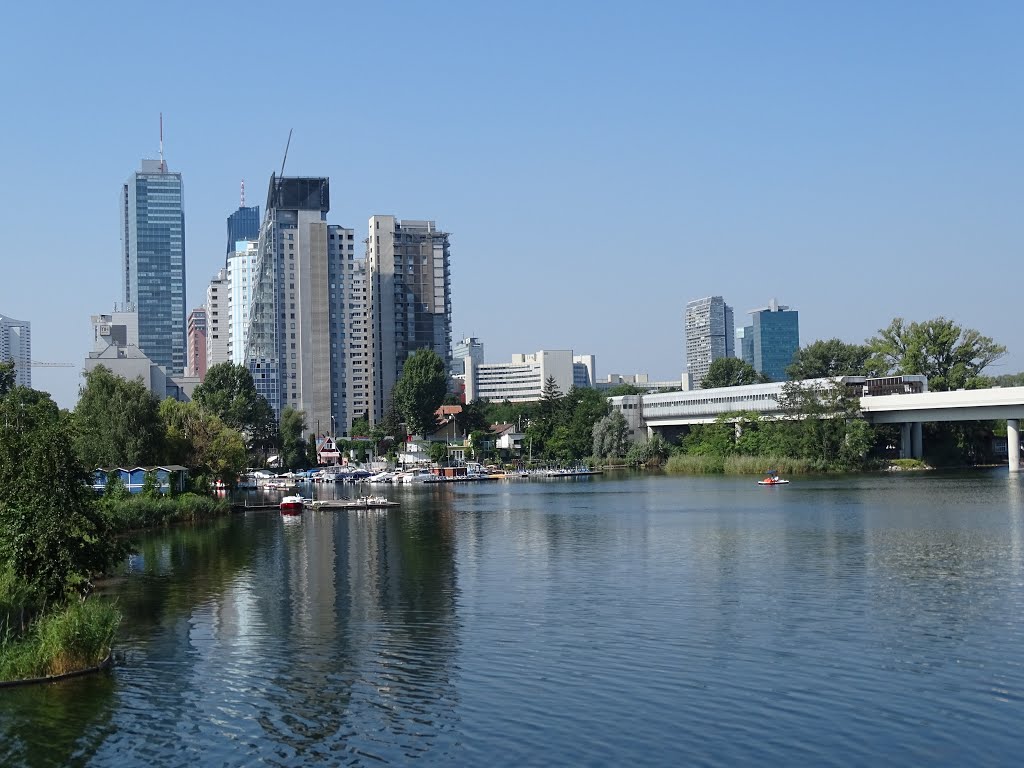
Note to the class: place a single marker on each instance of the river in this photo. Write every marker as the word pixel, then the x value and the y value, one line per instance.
pixel 615 620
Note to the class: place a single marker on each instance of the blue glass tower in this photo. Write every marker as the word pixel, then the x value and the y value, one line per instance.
pixel 153 262
pixel 243 224
pixel 776 332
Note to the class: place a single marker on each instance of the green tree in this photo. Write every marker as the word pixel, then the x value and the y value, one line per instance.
pixel 824 359
pixel 229 392
pixel 582 407
pixel 950 356
pixel 438 452
pixel 53 535
pixel 361 427
pixel 202 442
pixel 624 389
pixel 472 418
pixel 420 390
pixel 820 420
pixel 611 435
pixel 7 377
pixel 731 372
pixel 293 444
pixel 1005 380
pixel 117 422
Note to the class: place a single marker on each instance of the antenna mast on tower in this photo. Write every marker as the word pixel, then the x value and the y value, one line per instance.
pixel 163 165
pixel 285 158
pixel 242 203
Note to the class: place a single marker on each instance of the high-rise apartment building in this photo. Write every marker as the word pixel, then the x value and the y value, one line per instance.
pixel 775 338
pixel 16 345
pixel 153 261
pixel 197 343
pixel 217 320
pixel 301 322
pixel 241 269
pixel 409 298
pixel 709 335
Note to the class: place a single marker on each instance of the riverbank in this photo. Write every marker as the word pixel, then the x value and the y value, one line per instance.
pixel 76 637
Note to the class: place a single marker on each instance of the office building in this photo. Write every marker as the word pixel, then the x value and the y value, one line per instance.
pixel 153 261
pixel 197 343
pixel 709 335
pixel 522 379
pixel 243 224
pixel 300 321
pixel 467 351
pixel 217 320
pixel 745 344
pixel 775 335
pixel 16 345
pixel 409 298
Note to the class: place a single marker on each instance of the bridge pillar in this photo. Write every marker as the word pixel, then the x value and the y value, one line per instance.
pixel 916 440
pixel 1013 443
pixel 905 447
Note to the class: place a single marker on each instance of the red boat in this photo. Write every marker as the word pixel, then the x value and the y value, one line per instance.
pixel 292 505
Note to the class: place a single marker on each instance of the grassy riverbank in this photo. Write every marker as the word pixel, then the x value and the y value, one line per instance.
pixel 134 513
pixel 694 464
pixel 75 637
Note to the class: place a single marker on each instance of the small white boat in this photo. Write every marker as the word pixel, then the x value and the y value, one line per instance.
pixel 772 478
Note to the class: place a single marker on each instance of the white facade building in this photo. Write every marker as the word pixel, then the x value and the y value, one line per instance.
pixel 16 345
pixel 217 320
pixel 522 380
pixel 710 335
pixel 241 268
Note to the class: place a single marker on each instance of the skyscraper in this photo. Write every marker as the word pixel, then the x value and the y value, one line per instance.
pixel 241 269
pixel 300 322
pixel 217 320
pixel 243 224
pixel 409 298
pixel 153 261
pixel 197 343
pixel 709 335
pixel 16 345
pixel 776 338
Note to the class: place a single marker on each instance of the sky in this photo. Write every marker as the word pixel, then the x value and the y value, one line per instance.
pixel 597 164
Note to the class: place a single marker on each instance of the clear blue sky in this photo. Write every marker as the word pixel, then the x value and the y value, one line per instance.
pixel 598 164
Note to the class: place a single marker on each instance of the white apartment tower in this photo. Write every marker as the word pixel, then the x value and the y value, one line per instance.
pixel 409 295
pixel 217 320
pixel 241 268
pixel 709 335
pixel 16 345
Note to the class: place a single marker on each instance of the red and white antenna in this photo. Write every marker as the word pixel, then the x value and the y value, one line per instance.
pixel 242 203
pixel 163 165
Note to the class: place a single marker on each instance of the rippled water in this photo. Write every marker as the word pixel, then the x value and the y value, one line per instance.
pixel 610 621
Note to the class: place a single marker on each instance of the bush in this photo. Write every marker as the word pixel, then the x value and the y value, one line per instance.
pixel 76 637
pixel 692 464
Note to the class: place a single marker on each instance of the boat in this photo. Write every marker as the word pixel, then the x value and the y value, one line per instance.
pixel 292 505
pixel 772 478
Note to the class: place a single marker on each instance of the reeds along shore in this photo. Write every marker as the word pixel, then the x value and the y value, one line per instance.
pixel 693 464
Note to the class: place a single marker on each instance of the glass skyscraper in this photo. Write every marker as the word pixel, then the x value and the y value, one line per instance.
pixel 776 338
pixel 153 262
pixel 243 224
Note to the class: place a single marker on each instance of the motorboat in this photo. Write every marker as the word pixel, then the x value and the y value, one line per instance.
pixel 292 505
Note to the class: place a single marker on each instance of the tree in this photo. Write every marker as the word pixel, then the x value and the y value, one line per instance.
pixel 420 390
pixel 624 389
pixel 611 435
pixel 821 423
pixel 7 377
pixel 53 534
pixel 293 445
pixel 950 356
pixel 473 417
pixel 731 372
pixel 229 392
pixel 823 359
pixel 117 422
pixel 438 452
pixel 203 442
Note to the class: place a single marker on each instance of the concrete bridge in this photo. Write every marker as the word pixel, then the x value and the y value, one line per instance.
pixel 900 400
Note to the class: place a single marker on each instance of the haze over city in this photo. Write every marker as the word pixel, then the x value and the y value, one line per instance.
pixel 597 165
